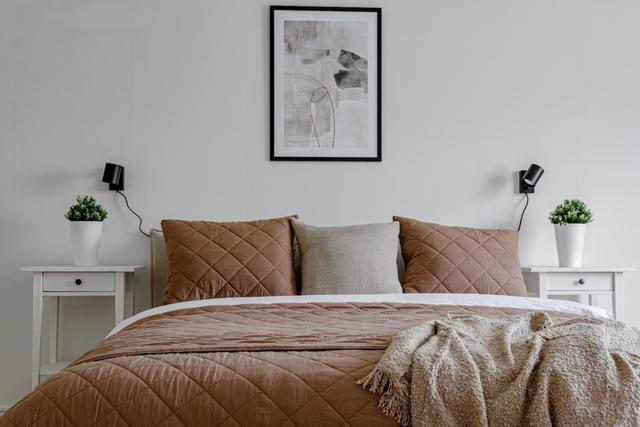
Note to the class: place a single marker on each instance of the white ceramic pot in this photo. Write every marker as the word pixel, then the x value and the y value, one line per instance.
pixel 85 241
pixel 570 244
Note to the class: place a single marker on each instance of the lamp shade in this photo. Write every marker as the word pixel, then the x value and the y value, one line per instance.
pixel 114 176
pixel 532 175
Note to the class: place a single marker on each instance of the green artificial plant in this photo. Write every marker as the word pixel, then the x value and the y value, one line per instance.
pixel 572 211
pixel 86 209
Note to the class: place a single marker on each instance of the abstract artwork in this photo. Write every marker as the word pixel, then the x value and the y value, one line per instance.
pixel 325 83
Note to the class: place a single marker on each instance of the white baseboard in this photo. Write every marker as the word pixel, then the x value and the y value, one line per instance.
pixel 3 408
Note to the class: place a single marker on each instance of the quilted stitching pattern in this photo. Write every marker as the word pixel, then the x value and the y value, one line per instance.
pixel 243 388
pixel 443 259
pixel 254 327
pixel 228 259
pixel 215 389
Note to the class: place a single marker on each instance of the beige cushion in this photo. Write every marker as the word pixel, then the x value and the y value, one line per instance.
pixel 440 258
pixel 358 259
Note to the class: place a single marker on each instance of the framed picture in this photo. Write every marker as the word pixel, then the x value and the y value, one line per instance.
pixel 326 83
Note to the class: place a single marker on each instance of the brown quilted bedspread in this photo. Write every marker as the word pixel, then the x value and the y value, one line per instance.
pixel 249 365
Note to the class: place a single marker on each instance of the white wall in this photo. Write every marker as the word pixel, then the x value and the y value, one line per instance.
pixel 177 91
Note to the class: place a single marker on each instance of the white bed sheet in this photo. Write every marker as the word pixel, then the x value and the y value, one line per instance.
pixel 434 299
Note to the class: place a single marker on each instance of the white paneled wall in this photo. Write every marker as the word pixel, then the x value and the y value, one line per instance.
pixel 177 91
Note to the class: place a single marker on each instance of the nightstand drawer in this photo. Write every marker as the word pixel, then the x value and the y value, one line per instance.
pixel 78 282
pixel 580 282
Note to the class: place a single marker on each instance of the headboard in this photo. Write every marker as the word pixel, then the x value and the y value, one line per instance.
pixel 159 267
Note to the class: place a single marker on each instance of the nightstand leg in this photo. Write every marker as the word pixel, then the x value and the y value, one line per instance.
pixel 129 295
pixel 119 299
pixel 543 286
pixel 618 296
pixel 36 329
pixel 54 307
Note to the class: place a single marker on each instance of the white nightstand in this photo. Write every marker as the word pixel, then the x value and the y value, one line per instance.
pixel 55 281
pixel 542 282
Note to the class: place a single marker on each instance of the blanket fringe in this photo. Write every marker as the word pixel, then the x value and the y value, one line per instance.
pixel 394 394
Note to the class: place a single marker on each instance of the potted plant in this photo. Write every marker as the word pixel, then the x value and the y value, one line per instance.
pixel 86 217
pixel 570 220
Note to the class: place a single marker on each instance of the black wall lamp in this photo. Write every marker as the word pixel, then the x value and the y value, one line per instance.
pixel 529 178
pixel 114 176
pixel 527 184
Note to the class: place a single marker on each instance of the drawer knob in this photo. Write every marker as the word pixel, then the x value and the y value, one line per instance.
pixel 581 281
pixel 78 282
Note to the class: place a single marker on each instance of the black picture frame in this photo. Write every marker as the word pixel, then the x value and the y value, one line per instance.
pixel 378 84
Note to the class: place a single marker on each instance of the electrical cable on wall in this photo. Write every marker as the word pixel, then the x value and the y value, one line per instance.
pixel 523 211
pixel 139 218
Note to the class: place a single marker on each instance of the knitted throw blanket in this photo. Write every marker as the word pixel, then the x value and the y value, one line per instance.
pixel 476 371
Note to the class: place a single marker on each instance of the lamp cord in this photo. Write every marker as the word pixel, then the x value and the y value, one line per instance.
pixel 133 212
pixel 523 211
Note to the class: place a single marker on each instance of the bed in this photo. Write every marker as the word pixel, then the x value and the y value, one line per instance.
pixel 290 360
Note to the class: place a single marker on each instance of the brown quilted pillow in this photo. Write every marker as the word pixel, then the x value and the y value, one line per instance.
pixel 442 259
pixel 228 259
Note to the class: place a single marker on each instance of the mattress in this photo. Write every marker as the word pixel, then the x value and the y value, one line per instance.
pixel 249 361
